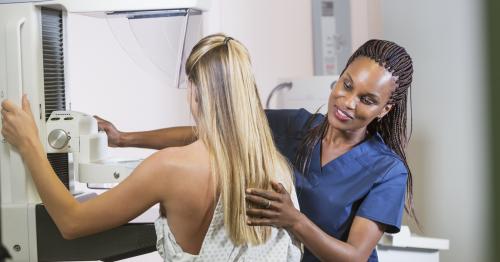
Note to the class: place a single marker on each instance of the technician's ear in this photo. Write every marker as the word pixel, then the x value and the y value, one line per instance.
pixel 387 108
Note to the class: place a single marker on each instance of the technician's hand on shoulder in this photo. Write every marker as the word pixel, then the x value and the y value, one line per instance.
pixel 18 125
pixel 273 208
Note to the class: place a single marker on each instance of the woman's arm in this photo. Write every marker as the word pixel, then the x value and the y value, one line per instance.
pixel 142 189
pixel 115 207
pixel 154 139
pixel 363 236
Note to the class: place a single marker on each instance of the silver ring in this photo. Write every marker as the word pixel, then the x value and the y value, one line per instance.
pixel 268 204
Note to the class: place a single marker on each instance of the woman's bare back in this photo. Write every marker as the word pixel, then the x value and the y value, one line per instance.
pixel 190 204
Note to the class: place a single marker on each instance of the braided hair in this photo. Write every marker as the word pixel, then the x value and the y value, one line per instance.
pixel 392 127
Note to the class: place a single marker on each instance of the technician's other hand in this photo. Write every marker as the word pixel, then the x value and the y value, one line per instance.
pixel 114 136
pixel 275 207
pixel 18 125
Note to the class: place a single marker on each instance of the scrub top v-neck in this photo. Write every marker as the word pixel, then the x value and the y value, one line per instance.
pixel 367 181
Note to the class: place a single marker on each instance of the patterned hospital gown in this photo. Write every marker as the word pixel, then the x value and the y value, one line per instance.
pixel 217 246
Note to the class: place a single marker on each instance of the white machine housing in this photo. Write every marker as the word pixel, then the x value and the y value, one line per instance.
pixel 408 247
pixel 77 133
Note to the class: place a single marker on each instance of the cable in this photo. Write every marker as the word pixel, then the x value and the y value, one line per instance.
pixel 287 85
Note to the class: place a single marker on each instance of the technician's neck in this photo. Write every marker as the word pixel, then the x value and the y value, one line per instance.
pixel 339 137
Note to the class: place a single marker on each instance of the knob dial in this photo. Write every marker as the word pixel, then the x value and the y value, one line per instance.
pixel 58 138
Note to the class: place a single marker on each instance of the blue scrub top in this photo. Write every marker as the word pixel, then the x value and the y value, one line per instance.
pixel 368 181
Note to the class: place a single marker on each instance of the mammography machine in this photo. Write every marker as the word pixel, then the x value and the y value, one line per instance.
pixel 34 61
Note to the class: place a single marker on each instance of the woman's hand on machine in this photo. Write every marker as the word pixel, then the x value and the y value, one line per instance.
pixel 275 207
pixel 18 125
pixel 114 135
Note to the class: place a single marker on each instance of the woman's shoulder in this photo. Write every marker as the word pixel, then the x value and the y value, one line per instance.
pixel 191 161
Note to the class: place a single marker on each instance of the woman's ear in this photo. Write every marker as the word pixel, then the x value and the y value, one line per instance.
pixel 191 92
pixel 192 97
pixel 194 93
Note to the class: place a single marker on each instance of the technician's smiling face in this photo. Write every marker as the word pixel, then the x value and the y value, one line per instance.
pixel 360 95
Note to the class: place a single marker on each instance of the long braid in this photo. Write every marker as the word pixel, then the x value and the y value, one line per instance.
pixel 392 127
pixel 303 157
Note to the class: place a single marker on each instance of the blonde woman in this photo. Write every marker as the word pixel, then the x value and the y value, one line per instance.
pixel 201 186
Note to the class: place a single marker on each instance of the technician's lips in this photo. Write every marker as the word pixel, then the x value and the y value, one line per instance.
pixel 342 115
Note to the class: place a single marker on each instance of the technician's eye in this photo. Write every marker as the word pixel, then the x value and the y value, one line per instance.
pixel 347 86
pixel 367 101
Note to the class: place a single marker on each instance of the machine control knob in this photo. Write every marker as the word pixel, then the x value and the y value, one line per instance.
pixel 58 138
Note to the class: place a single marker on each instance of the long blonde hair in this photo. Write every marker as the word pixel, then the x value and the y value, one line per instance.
pixel 232 124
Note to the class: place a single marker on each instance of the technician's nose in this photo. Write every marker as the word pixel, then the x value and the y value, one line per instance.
pixel 350 102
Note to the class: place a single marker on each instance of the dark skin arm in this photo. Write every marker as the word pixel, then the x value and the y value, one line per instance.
pixel 154 139
pixel 363 236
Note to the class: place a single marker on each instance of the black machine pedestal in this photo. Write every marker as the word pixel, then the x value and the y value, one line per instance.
pixel 119 243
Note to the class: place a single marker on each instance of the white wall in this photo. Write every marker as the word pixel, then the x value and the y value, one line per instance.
pixel 447 151
pixel 366 21
pixel 278 35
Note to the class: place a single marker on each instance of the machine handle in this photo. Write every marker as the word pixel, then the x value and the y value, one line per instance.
pixel 14 60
